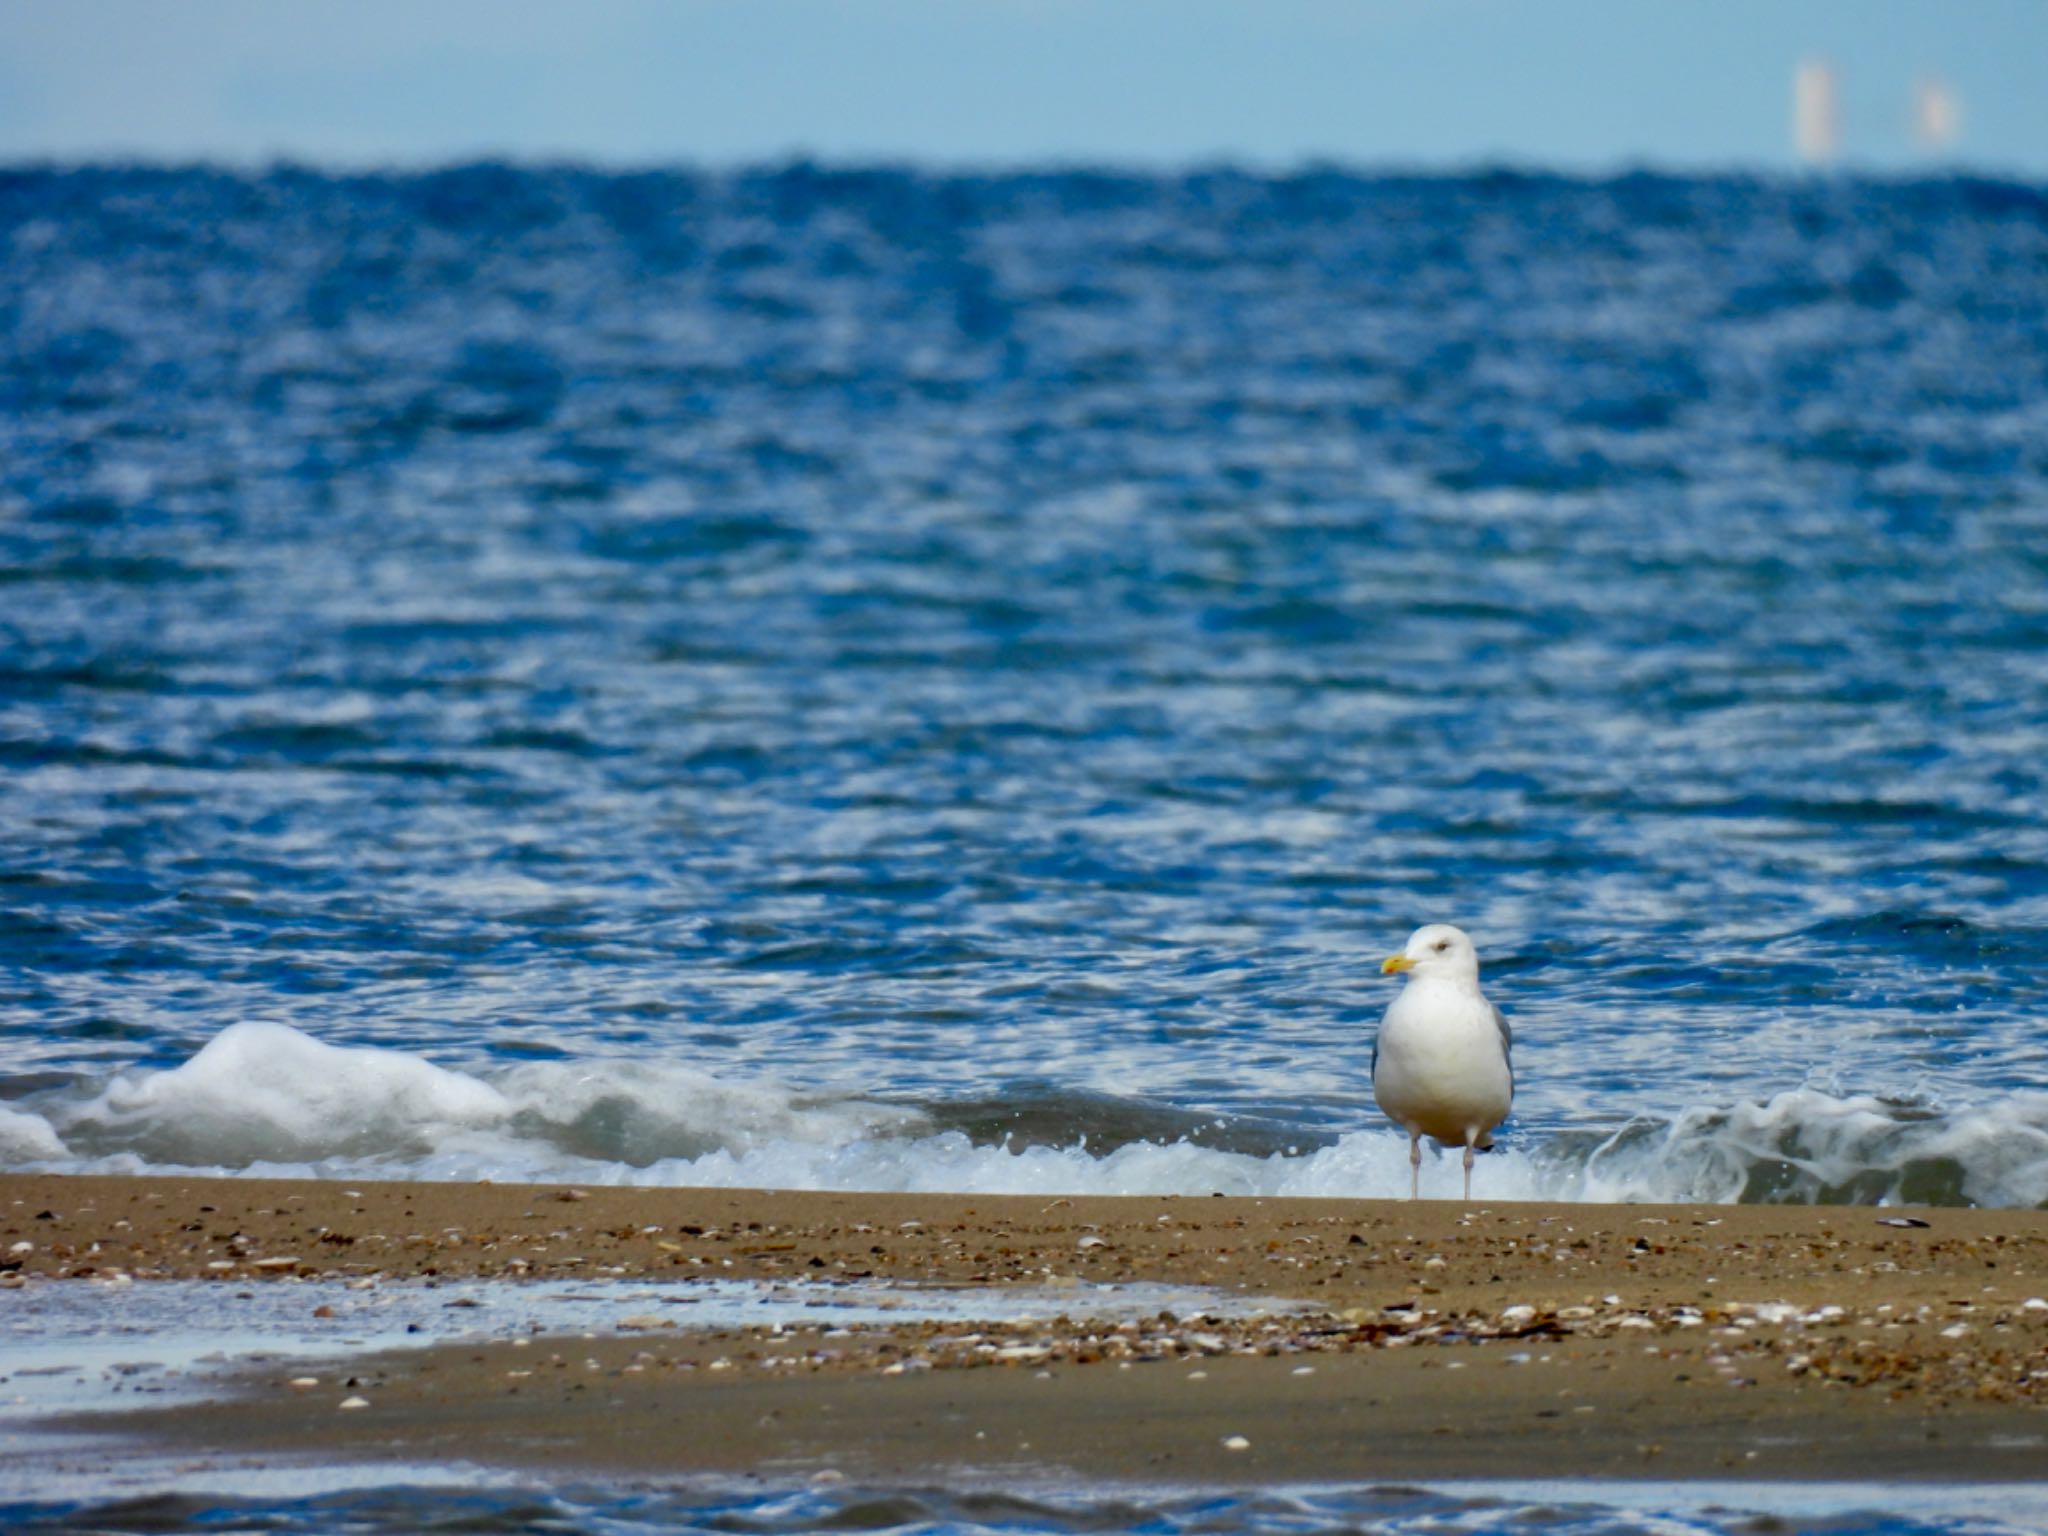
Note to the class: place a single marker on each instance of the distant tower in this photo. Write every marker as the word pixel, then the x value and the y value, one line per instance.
pixel 1937 115
pixel 1816 117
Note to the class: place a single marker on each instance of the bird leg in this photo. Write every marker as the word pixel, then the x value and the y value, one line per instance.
pixel 1414 1164
pixel 1468 1170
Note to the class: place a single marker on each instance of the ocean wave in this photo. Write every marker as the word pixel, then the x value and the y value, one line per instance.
pixel 267 1099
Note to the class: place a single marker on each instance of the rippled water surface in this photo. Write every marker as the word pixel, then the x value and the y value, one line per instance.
pixel 1476 1510
pixel 826 677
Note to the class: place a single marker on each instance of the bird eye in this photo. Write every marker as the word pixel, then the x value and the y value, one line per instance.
pixel 1443 943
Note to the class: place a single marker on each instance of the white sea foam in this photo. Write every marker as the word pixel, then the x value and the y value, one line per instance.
pixel 634 1112
pixel 268 1099
pixel 1807 1145
pixel 27 1138
pixel 267 1091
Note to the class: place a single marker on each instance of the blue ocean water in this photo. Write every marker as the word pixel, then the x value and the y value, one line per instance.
pixel 875 678
pixel 1539 1510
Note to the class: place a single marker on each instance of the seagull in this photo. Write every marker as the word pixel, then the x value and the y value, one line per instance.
pixel 1440 1065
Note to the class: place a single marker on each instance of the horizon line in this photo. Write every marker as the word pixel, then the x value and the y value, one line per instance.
pixel 1472 167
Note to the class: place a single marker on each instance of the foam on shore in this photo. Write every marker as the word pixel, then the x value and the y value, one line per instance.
pixel 266 1099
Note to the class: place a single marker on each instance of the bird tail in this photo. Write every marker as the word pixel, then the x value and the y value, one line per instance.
pixel 1485 1141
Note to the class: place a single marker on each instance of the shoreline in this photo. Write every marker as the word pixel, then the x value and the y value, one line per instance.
pixel 1406 1341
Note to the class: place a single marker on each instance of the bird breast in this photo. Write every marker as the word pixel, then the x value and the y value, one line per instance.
pixel 1442 1069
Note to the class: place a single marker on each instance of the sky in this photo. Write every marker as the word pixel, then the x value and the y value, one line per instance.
pixel 1585 85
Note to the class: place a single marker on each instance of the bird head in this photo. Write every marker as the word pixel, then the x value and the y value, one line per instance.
pixel 1438 950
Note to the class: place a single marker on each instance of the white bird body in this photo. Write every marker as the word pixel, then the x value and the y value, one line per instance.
pixel 1442 1066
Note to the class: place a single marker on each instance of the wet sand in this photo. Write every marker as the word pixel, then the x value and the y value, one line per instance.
pixel 1403 1341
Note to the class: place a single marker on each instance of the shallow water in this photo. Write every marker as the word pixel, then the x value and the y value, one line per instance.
pixel 100 1348
pixel 94 1346
pixel 884 679
pixel 1556 1509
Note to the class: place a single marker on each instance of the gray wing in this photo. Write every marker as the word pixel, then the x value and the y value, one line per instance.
pixel 1507 1042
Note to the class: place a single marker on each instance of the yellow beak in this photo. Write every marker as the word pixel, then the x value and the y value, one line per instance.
pixel 1395 963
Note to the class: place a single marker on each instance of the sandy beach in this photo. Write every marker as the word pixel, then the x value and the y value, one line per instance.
pixel 1426 1340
